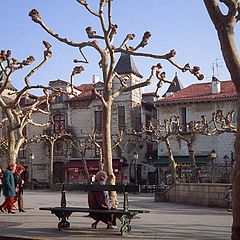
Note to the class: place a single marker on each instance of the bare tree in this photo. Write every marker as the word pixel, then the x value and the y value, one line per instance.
pixel 163 133
pixel 19 106
pixel 107 64
pixel 217 125
pixel 51 139
pixel 225 24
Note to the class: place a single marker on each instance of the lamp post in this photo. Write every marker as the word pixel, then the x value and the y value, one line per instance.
pixel 31 157
pixel 121 168
pixel 226 159
pixel 213 157
pixel 135 157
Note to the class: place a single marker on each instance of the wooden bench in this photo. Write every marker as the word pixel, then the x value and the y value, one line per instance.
pixel 124 214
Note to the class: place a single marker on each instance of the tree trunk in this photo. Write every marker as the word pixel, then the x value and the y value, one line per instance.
pixel 51 161
pixel 107 140
pixel 13 148
pixel 191 154
pixel 86 168
pixel 172 163
pixel 107 148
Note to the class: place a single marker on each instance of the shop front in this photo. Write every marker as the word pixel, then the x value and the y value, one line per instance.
pixel 75 173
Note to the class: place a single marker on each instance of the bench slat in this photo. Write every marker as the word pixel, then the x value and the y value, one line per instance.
pixel 77 209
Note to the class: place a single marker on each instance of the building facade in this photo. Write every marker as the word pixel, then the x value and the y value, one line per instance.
pixel 190 104
pixel 81 116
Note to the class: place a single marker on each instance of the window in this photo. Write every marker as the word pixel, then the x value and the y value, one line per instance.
pixel 100 91
pixel 59 99
pixel 121 117
pixel 58 147
pixel 148 121
pixel 22 153
pixel 59 123
pixel 98 121
pixel 183 118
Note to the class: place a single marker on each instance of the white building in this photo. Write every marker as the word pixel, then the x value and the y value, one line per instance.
pixel 190 104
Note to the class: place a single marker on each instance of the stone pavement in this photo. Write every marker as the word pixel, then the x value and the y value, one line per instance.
pixel 165 221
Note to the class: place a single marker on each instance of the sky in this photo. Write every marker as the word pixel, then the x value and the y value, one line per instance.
pixel 183 25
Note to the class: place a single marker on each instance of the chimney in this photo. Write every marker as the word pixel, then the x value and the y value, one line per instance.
pixel 216 85
pixel 169 94
pixel 95 79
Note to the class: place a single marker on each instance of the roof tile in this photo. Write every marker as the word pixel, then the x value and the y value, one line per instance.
pixel 201 91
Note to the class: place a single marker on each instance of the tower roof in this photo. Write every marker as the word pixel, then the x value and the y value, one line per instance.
pixel 126 65
pixel 9 84
pixel 173 89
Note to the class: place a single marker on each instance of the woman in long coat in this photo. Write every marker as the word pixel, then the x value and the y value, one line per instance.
pixel 9 189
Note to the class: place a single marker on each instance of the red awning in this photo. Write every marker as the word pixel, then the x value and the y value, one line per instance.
pixel 91 164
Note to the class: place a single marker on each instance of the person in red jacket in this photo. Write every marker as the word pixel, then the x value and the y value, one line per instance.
pixel 101 200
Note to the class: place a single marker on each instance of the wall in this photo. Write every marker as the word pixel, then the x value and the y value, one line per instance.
pixel 202 194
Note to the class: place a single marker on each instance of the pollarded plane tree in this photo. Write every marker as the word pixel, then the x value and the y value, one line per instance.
pixel 51 139
pixel 225 14
pixel 18 107
pixel 116 142
pixel 103 43
pixel 217 125
pixel 87 142
pixel 164 132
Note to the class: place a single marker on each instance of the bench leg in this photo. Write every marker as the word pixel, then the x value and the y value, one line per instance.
pixel 94 225
pixel 62 216
pixel 63 224
pixel 126 227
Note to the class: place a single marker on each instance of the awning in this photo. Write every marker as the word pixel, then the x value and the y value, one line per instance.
pixel 91 164
pixel 163 161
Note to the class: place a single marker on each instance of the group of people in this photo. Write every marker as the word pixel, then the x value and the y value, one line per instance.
pixel 12 188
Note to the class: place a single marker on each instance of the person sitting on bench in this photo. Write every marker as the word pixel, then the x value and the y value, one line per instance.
pixel 101 200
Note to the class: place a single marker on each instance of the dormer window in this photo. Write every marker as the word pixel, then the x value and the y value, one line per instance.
pixel 100 91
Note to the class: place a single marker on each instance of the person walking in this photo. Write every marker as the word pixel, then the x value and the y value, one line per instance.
pixel 228 198
pixel 9 189
pixel 101 200
pixel 19 182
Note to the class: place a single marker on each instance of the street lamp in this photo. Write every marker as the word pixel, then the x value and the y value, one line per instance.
pixel 121 168
pixel 135 157
pixel 226 159
pixel 213 156
pixel 31 157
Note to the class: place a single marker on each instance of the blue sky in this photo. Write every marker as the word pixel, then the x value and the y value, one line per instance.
pixel 183 25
